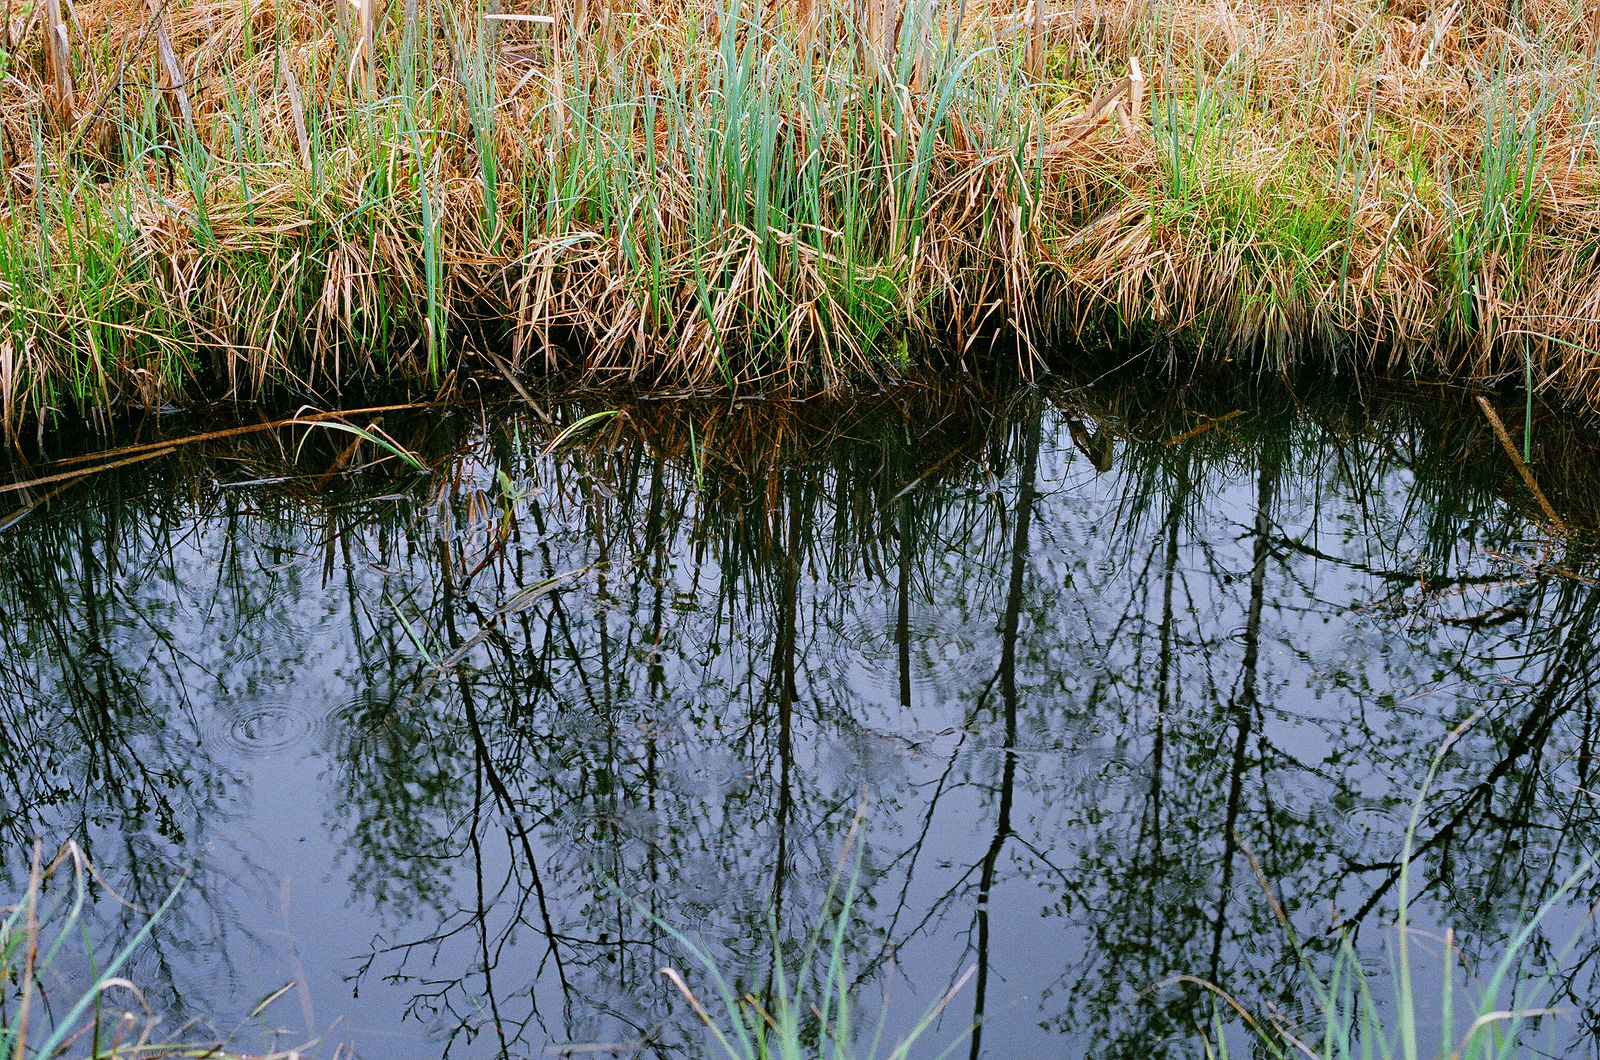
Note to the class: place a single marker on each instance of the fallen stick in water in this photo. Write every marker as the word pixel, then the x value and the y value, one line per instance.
pixel 232 432
pixel 82 472
pixel 1521 465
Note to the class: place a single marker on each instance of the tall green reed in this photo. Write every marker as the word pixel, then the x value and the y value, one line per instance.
pixel 34 936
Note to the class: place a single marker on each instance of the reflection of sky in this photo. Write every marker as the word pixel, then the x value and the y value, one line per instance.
pixel 345 829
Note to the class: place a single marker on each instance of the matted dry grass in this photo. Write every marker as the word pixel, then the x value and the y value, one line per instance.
pixel 227 196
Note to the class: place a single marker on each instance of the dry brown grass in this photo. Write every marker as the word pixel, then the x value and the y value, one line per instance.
pixel 1414 182
pixel 227 197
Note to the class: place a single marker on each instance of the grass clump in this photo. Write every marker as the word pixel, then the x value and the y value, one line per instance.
pixel 1405 185
pixel 807 1008
pixel 721 195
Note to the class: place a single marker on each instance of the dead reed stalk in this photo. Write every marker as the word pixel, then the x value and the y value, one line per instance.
pixel 177 81
pixel 57 59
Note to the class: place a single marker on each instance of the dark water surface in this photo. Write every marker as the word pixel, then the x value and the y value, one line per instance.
pixel 1082 654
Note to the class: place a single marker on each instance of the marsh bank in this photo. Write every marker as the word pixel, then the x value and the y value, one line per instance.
pixel 207 198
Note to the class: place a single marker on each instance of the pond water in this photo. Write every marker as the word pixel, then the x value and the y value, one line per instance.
pixel 1107 675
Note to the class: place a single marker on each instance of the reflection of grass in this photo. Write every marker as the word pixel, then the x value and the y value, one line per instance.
pixel 1346 1019
pixel 1190 439
pixel 39 936
pixel 807 1010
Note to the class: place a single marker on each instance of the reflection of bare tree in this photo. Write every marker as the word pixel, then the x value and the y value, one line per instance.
pixel 1510 794
pixel 767 612
pixel 1022 515
pixel 1246 703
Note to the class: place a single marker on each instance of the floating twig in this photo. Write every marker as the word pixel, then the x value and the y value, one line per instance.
pixel 1204 427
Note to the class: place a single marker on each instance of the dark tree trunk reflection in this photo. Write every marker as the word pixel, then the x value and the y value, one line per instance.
pixel 1076 691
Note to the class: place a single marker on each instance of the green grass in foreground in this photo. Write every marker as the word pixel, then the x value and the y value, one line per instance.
pixel 1349 1020
pixel 809 1009
pixel 105 1018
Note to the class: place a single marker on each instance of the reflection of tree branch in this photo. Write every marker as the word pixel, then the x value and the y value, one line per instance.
pixel 1246 705
pixel 498 787
pixel 1577 651
pixel 1405 577
pixel 915 850
pixel 481 913
pixel 1008 692
pixel 783 671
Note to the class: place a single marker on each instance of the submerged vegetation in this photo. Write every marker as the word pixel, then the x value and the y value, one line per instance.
pixel 225 197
